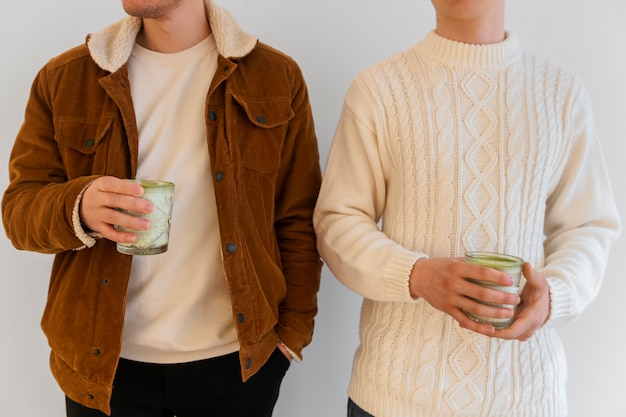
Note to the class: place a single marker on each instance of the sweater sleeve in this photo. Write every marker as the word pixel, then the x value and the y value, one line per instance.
pixel 351 203
pixel 582 220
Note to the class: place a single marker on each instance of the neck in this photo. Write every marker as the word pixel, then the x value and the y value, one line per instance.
pixel 480 36
pixel 477 29
pixel 177 30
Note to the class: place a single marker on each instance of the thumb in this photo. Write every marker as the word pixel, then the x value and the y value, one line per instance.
pixel 532 276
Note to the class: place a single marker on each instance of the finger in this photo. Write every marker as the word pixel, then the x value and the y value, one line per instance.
pixel 501 295
pixel 113 192
pixel 125 220
pixel 109 232
pixel 473 325
pixel 532 276
pixel 116 193
pixel 119 186
pixel 483 273
pixel 520 330
pixel 284 351
pixel 128 203
pixel 120 194
pixel 478 308
pixel 524 326
pixel 110 227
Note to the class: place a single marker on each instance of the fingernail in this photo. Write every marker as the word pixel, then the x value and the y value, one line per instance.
pixel 139 190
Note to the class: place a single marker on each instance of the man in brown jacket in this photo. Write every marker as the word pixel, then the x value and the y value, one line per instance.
pixel 175 91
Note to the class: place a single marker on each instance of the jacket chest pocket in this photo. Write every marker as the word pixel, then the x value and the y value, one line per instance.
pixel 83 146
pixel 260 129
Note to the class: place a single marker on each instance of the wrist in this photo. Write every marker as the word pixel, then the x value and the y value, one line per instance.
pixel 415 276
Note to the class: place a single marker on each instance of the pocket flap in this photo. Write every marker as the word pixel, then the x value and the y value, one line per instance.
pixel 267 114
pixel 83 136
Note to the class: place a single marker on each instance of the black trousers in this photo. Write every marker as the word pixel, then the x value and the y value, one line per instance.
pixel 356 411
pixel 207 388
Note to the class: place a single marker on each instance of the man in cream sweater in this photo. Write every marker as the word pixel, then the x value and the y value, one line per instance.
pixel 461 143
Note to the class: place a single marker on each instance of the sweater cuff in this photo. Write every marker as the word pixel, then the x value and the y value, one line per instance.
pixel 560 310
pixel 400 265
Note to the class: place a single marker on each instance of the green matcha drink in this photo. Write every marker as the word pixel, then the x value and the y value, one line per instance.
pixel 155 239
pixel 512 265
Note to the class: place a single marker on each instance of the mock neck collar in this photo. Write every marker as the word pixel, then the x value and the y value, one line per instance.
pixel 459 54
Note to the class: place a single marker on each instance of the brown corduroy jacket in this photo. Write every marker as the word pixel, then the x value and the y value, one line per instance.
pixel 80 125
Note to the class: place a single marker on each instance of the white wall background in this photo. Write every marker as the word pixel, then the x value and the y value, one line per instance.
pixel 332 40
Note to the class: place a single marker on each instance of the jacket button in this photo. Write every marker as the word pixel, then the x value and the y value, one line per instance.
pixel 96 352
pixel 90 396
pixel 90 142
pixel 240 318
pixel 212 116
pixel 260 119
pixel 219 176
pixel 105 282
pixel 248 363
pixel 231 248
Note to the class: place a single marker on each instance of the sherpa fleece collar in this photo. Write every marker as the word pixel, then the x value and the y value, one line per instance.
pixel 111 47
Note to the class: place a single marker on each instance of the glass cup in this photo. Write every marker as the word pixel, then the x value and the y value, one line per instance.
pixel 154 240
pixel 512 265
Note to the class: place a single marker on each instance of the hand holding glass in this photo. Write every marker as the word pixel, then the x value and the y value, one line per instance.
pixel 512 265
pixel 156 239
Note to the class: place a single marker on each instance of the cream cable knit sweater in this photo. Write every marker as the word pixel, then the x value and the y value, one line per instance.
pixel 462 147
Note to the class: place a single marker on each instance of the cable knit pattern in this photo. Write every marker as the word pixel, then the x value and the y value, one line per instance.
pixel 445 148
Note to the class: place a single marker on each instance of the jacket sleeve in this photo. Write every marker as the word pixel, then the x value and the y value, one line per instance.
pixel 351 204
pixel 582 220
pixel 298 183
pixel 39 207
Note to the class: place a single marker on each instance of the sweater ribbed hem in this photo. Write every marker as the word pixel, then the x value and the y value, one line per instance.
pixel 380 405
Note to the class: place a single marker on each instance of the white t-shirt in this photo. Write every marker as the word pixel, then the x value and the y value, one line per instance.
pixel 178 307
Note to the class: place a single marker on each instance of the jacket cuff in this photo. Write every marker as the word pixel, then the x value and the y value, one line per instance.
pixel 86 236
